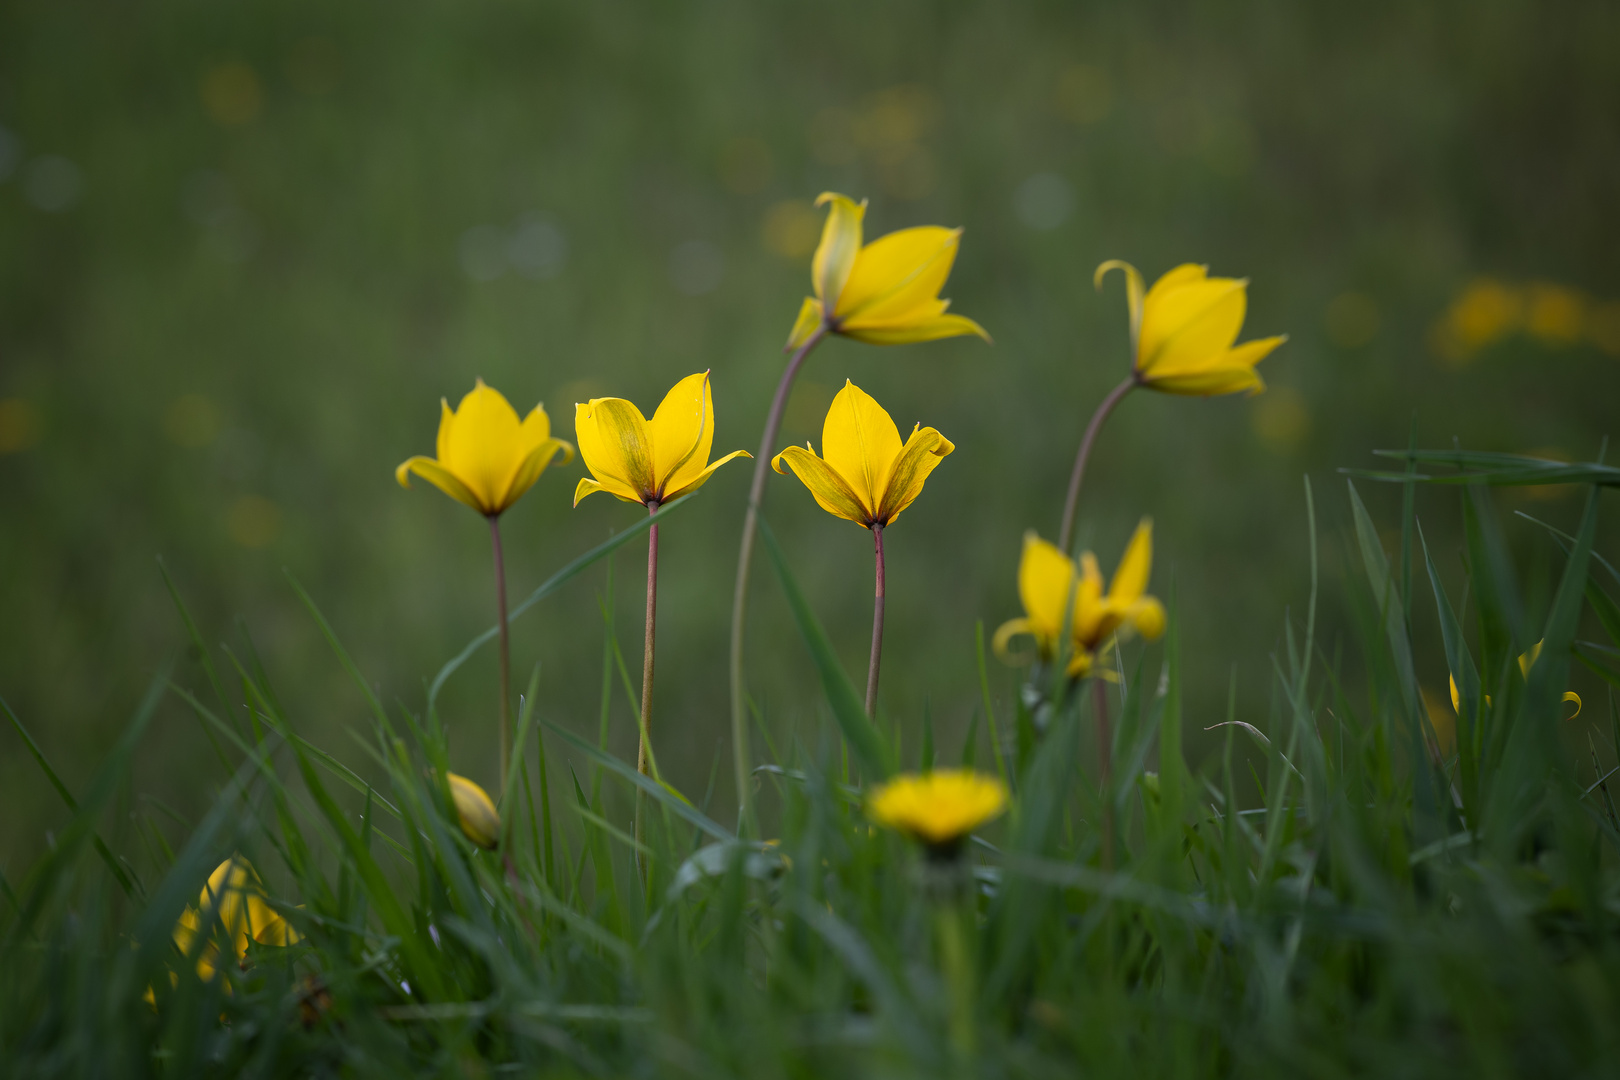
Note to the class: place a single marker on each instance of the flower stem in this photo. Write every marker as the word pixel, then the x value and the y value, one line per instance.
pixel 949 920
pixel 1105 766
pixel 1108 405
pixel 644 750
pixel 506 648
pixel 877 627
pixel 739 600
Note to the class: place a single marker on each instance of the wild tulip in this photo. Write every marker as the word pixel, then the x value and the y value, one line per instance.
pixel 475 812
pixel 938 809
pixel 866 476
pixel 233 900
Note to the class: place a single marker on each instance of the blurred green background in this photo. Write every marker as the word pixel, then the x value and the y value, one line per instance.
pixel 246 247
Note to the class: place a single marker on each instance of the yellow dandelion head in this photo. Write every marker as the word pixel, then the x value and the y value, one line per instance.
pixel 938 808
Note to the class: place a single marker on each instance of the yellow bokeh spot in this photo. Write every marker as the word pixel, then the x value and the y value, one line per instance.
pixel 1553 314
pixel 231 93
pixel 192 421
pixel 1085 94
pixel 1281 418
pixel 253 521
pixel 21 425
pixel 1352 319
pixel 745 166
pixel 896 116
pixel 792 228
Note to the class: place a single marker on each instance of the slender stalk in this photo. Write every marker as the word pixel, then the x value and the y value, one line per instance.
pixel 1108 405
pixel 950 919
pixel 506 648
pixel 1105 766
pixel 739 600
pixel 877 627
pixel 647 675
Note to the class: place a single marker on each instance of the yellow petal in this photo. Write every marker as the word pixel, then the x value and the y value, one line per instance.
pixel 1131 578
pixel 895 276
pixel 481 447
pixel 615 446
pixel 476 813
pixel 1529 657
pixel 840 243
pixel 1182 276
pixel 530 468
pixel 1234 374
pixel 1191 325
pixel 689 486
pixel 1089 611
pixel 831 491
pixel 939 807
pixel 925 449
pixel 1456 698
pixel 929 328
pixel 1570 695
pixel 682 431
pixel 809 319
pixel 1011 629
pixel 860 442
pixel 439 477
pixel 587 486
pixel 1045 585
pixel 1147 615
pixel 447 420
pixel 1133 291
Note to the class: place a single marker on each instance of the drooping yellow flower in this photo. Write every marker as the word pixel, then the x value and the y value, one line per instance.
pixel 1183 329
pixel 649 461
pixel 1051 596
pixel 486 458
pixel 938 808
pixel 1527 660
pixel 233 899
pixel 479 819
pixel 885 293
pixel 866 474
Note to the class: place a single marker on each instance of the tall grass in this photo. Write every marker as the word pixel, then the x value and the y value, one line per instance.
pixel 1399 901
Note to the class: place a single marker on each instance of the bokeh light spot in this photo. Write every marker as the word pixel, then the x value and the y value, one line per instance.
pixel 1085 94
pixel 253 521
pixel 192 421
pixel 1281 418
pixel 21 425
pixel 745 166
pixel 1352 319
pixel 1044 201
pixel 1553 314
pixel 537 248
pixel 53 183
pixel 792 228
pixel 231 93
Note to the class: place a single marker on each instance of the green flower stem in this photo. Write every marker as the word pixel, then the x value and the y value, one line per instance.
pixel 505 726
pixel 739 601
pixel 1070 504
pixel 644 751
pixel 1105 766
pixel 950 919
pixel 877 627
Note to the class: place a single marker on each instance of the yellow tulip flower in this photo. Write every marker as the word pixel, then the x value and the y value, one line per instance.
pixel 938 808
pixel 233 897
pixel 1527 660
pixel 1051 596
pixel 885 293
pixel 649 461
pixel 1182 332
pixel 866 476
pixel 486 458
pixel 479 819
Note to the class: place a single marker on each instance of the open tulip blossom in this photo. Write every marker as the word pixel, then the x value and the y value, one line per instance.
pixel 882 293
pixel 487 458
pixel 867 476
pixel 649 462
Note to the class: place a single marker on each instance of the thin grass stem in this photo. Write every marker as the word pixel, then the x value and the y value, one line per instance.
pixel 1072 502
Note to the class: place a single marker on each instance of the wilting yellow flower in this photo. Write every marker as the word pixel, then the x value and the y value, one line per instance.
pixel 647 461
pixel 1527 660
pixel 866 475
pixel 480 821
pixel 233 899
pixel 1051 596
pixel 938 808
pixel 886 293
pixel 1182 332
pixel 486 457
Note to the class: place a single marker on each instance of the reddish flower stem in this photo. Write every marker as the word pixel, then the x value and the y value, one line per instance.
pixel 877 627
pixel 505 648
pixel 1070 504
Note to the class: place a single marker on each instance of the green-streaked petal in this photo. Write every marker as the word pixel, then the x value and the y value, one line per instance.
pixel 1133 292
pixel 682 432
pixel 618 490
pixel 441 478
pixel 1226 378
pixel 897 274
pixel 689 486
pixel 860 442
pixel 529 470
pixel 840 243
pixel 831 491
pixel 482 446
pixel 1193 325
pixel 615 446
pixel 1135 566
pixel 809 319
pixel 1045 584
pixel 925 449
pixel 930 328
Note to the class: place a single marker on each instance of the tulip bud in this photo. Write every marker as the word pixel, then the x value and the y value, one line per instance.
pixel 479 819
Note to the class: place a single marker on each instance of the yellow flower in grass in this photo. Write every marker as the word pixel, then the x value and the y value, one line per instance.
pixel 1052 596
pixel 479 819
pixel 1527 660
pixel 938 808
pixel 232 899
pixel 649 461
pixel 866 474
pixel 486 457
pixel 885 293
pixel 1183 329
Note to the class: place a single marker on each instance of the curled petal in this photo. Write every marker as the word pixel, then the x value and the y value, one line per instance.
pixel 1013 628
pixel 1133 293
pixel 618 490
pixel 925 449
pixel 840 244
pixel 702 478
pixel 530 468
pixel 1570 695
pixel 832 492
pixel 439 477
